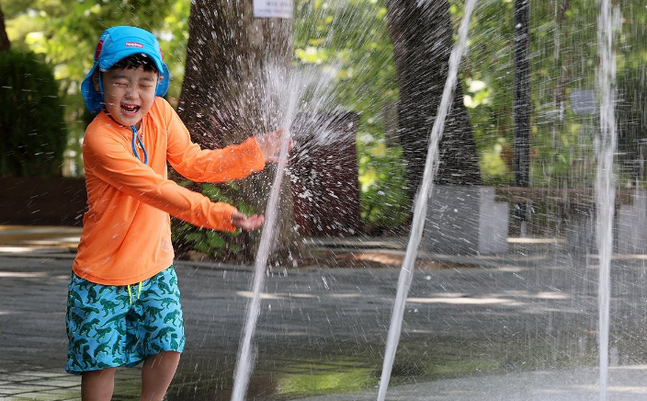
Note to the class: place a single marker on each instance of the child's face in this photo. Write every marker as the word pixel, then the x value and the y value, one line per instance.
pixel 129 94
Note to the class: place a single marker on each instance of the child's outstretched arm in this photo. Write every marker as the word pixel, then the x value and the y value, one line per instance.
pixel 216 165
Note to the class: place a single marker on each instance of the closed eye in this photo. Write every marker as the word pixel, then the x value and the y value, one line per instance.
pixel 147 83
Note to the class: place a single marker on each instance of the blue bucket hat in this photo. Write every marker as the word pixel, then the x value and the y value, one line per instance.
pixel 114 45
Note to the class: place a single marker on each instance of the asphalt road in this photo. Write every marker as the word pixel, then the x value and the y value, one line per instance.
pixel 322 331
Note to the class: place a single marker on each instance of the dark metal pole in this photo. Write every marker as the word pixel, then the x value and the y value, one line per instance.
pixel 521 102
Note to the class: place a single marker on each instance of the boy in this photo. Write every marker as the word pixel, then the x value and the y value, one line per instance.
pixel 123 299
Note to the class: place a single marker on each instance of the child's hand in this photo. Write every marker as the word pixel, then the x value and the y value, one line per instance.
pixel 270 144
pixel 239 220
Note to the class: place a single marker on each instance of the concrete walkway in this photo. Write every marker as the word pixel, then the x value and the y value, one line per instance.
pixel 525 326
pixel 626 384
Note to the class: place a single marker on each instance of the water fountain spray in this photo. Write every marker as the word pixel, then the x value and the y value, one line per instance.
pixel 606 144
pixel 245 358
pixel 420 210
pixel 297 84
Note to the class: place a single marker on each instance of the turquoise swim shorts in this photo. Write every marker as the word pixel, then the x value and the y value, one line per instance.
pixel 110 326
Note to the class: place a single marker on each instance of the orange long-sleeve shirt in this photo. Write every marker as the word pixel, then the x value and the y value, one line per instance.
pixel 126 234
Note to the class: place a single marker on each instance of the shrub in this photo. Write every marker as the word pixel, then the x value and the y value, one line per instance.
pixel 212 245
pixel 33 136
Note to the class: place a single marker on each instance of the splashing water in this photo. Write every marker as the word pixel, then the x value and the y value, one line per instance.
pixel 417 226
pixel 605 180
pixel 245 359
pixel 294 91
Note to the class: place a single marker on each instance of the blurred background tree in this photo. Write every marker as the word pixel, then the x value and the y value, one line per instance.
pixel 31 117
pixel 422 36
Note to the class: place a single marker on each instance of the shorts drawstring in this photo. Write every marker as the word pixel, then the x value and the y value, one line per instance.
pixel 139 292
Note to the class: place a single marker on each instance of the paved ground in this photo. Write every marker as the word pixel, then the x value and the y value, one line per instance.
pixel 519 327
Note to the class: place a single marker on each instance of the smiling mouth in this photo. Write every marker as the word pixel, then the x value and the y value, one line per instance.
pixel 129 108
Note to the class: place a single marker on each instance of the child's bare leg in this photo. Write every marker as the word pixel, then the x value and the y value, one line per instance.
pixel 98 385
pixel 157 374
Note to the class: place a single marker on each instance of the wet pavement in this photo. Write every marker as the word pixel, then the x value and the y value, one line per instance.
pixel 518 327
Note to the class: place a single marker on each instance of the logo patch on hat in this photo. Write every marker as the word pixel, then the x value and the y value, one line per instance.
pixel 98 51
pixel 134 44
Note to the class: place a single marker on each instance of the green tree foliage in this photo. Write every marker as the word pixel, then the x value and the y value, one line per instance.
pixel 563 62
pixel 487 84
pixel 632 92
pixel 31 117
pixel 209 243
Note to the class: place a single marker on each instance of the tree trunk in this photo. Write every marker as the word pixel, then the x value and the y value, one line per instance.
pixel 5 45
pixel 421 33
pixel 233 62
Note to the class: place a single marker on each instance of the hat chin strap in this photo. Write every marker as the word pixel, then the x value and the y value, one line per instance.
pixel 138 143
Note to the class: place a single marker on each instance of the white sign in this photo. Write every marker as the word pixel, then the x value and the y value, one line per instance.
pixel 583 102
pixel 273 8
